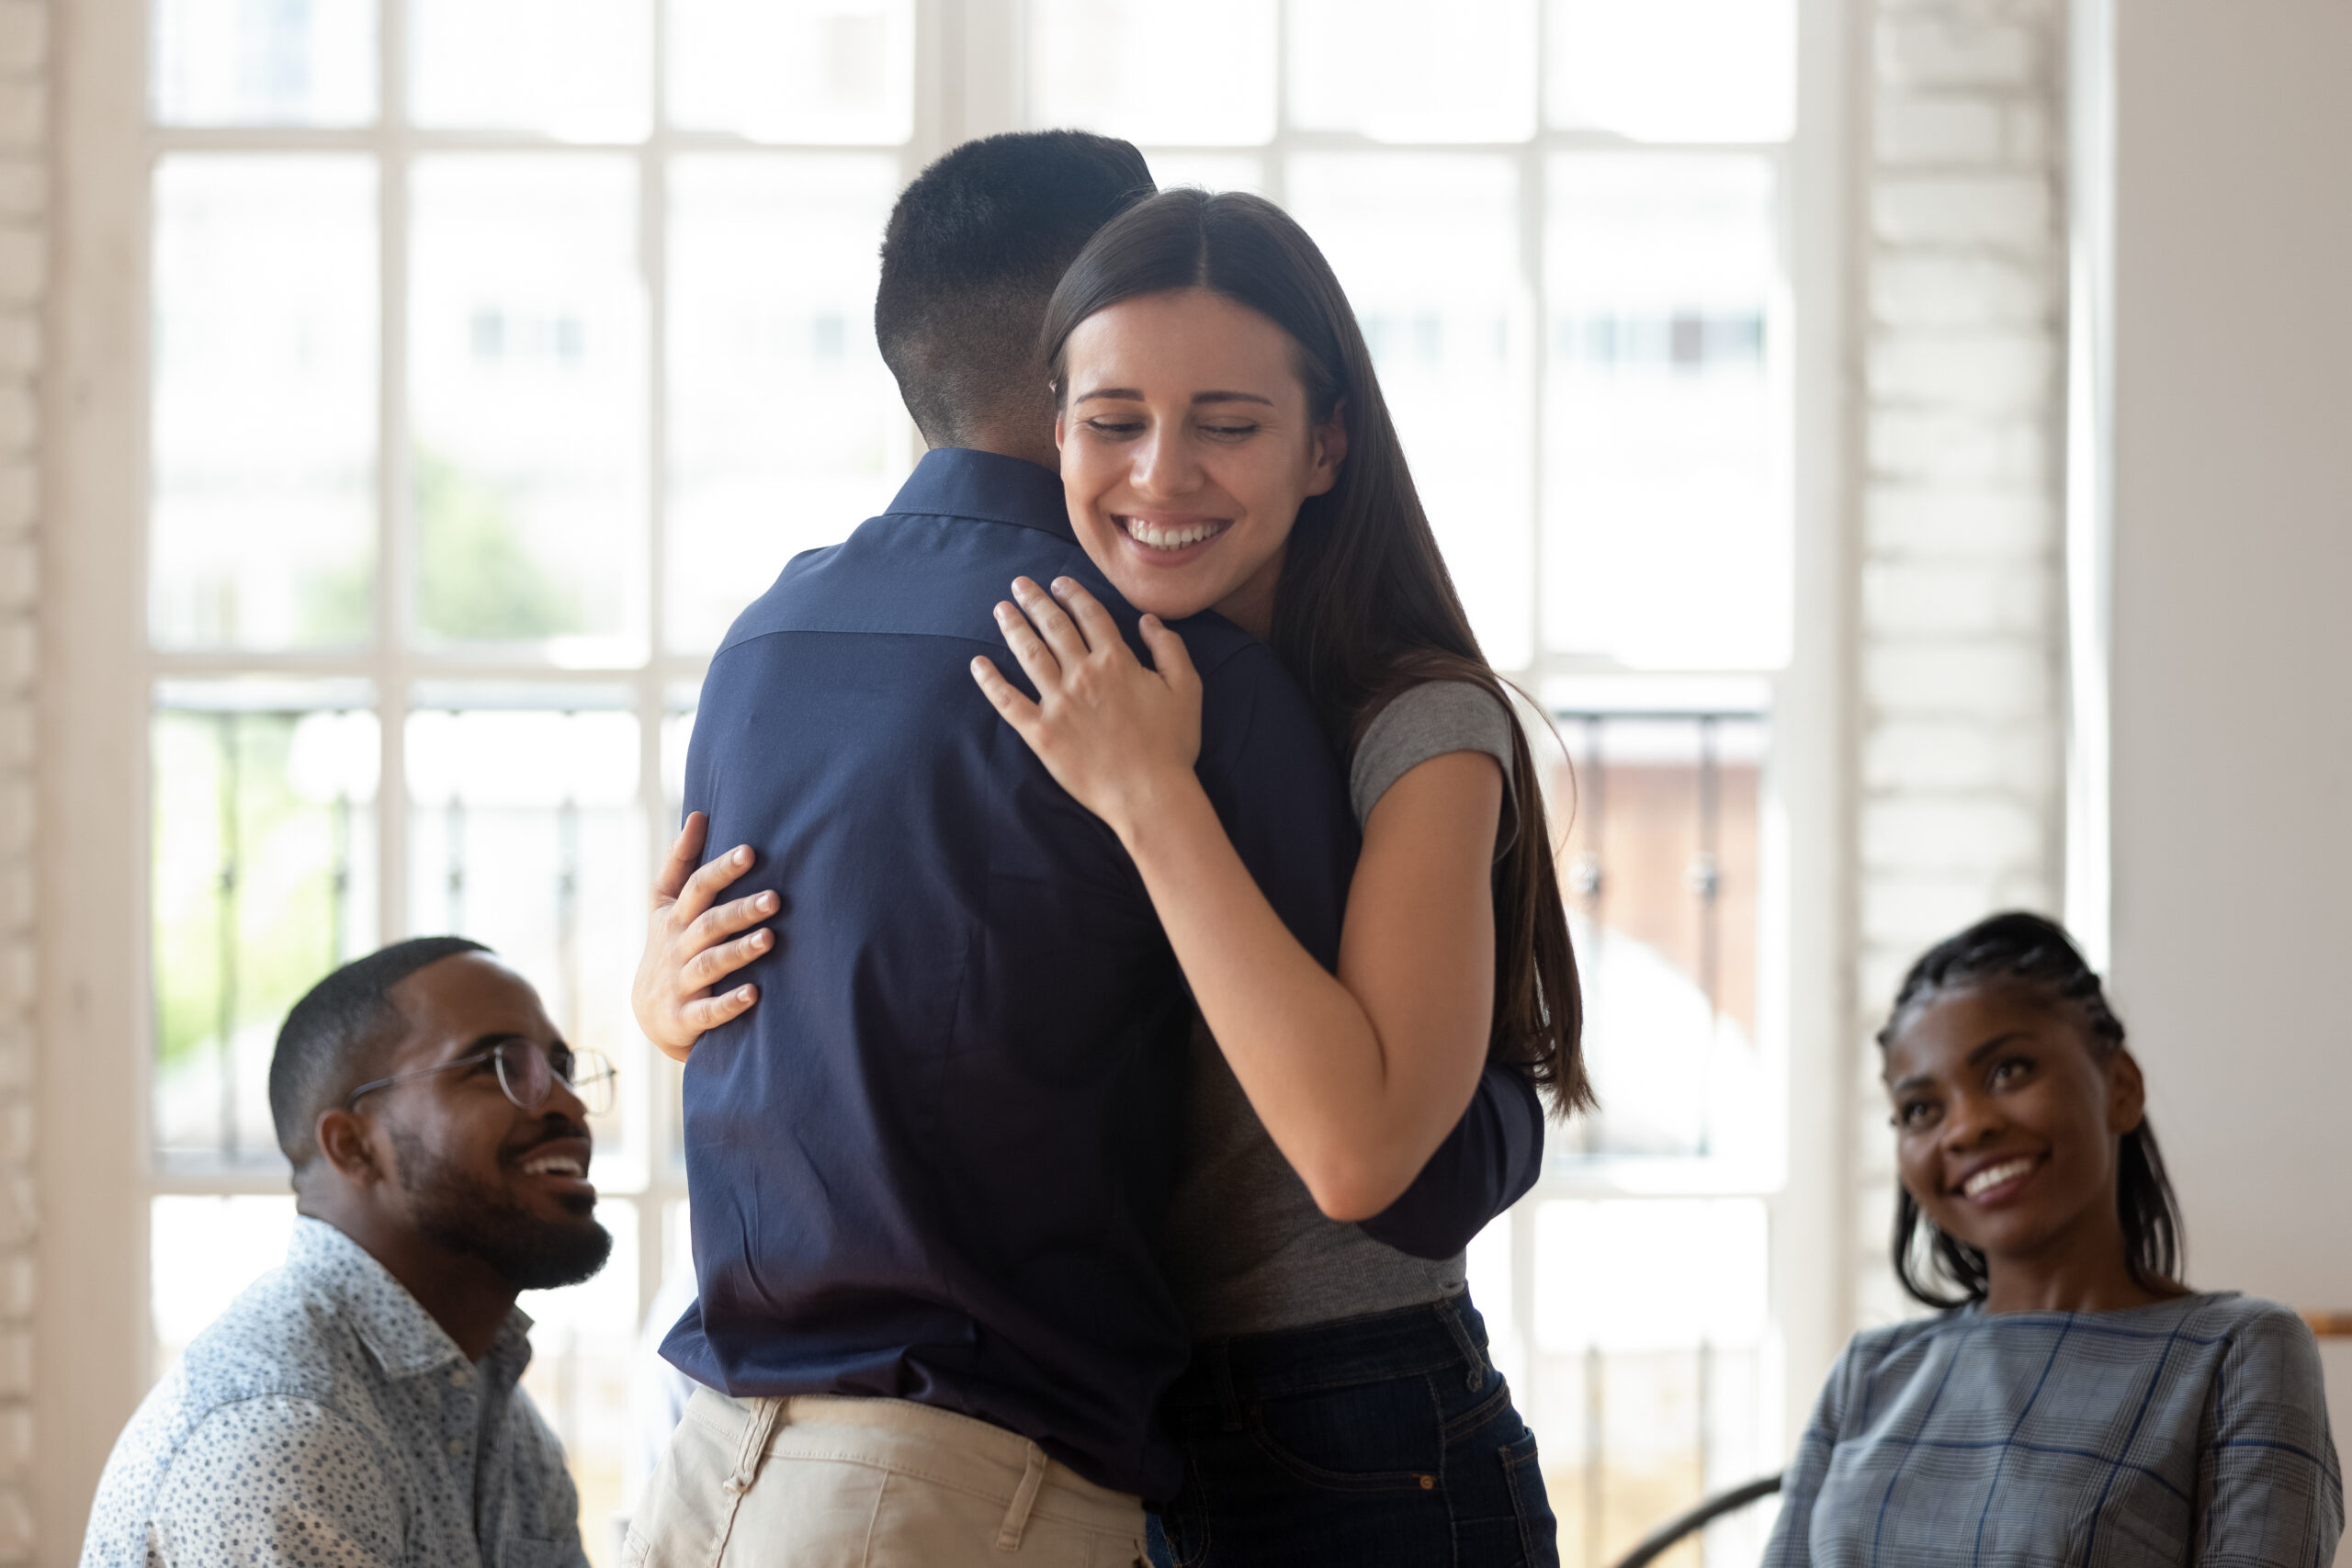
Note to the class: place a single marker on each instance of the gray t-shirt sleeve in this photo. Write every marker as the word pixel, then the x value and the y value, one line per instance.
pixel 1426 721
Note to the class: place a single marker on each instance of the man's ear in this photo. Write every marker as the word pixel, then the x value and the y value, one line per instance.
pixel 2127 1093
pixel 342 1138
pixel 1328 451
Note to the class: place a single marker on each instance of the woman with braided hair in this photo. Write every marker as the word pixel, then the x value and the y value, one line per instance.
pixel 2072 1401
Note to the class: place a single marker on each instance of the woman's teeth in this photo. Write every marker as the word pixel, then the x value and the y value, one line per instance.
pixel 1993 1175
pixel 1158 536
pixel 555 1165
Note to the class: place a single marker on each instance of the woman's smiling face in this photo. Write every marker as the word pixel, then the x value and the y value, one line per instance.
pixel 2006 1122
pixel 1187 447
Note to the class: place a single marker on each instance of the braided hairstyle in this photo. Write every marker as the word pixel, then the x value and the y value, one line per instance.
pixel 2026 950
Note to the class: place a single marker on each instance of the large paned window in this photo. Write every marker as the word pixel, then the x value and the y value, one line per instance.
pixel 501 350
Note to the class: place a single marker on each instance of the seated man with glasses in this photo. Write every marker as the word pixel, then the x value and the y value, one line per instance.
pixel 359 1406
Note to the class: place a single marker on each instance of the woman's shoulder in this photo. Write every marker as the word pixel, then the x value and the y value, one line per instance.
pixel 1428 718
pixel 2233 1311
pixel 1873 1348
pixel 2263 1337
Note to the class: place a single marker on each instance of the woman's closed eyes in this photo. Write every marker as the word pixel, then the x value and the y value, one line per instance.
pixel 1124 429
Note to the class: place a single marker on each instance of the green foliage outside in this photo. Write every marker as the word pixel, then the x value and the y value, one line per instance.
pixel 284 902
pixel 476 581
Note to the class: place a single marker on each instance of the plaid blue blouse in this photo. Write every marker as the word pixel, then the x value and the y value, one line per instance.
pixel 2194 1430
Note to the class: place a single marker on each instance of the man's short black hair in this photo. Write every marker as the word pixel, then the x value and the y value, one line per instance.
pixel 974 249
pixel 330 1038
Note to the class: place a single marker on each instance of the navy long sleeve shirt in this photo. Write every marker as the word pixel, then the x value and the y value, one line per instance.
pixel 932 1163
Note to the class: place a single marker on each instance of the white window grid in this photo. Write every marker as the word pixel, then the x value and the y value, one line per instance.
pixel 989 75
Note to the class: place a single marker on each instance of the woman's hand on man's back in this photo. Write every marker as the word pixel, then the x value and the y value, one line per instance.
pixel 691 945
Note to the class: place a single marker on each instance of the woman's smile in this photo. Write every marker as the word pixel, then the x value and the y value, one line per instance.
pixel 1997 1183
pixel 1167 538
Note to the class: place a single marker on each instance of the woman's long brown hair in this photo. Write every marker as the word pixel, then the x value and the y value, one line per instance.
pixel 1365 608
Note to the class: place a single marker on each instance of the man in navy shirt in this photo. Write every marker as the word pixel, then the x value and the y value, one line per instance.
pixel 928 1170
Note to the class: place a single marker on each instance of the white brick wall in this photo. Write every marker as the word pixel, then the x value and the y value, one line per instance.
pixel 24 254
pixel 1960 640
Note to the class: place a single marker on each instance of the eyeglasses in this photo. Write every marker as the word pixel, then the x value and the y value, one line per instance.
pixel 528 1074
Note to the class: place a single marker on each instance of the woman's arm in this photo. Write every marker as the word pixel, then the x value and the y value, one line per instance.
pixel 2271 1490
pixel 1358 1078
pixel 1487 1163
pixel 687 946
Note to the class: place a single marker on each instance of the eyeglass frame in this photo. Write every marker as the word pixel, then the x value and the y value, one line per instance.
pixel 599 1070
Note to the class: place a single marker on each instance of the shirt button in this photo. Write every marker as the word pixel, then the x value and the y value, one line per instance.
pixel 458 1377
pixel 457 1445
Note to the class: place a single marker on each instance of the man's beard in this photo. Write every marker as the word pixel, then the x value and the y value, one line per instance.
pixel 478 1221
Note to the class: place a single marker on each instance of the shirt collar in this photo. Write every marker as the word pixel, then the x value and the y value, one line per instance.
pixel 397 1330
pixel 957 481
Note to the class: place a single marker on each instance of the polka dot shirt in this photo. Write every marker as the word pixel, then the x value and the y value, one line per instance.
pixel 326 1421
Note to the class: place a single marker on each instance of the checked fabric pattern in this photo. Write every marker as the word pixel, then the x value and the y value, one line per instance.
pixel 2192 1431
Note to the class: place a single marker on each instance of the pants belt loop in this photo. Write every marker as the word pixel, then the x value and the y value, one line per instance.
pixel 1220 1355
pixel 753 1446
pixel 1025 1497
pixel 1468 1346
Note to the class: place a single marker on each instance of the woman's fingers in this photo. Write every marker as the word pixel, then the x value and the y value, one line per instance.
pixel 1061 634
pixel 704 887
pixel 1044 671
pixel 1003 695
pixel 718 924
pixel 1094 622
pixel 711 965
pixel 706 1013
pixel 1169 657
pixel 678 864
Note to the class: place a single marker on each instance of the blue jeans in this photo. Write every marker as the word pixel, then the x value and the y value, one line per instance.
pixel 1375 1440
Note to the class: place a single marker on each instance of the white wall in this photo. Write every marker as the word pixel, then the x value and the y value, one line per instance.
pixel 1958 651
pixel 2231 661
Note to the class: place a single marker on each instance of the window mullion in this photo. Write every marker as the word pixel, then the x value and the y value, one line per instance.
pixel 394 546
pixel 654 260
pixel 1276 170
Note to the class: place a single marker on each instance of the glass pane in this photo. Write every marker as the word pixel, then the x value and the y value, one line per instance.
pixel 264 501
pixel 1404 70
pixel 1210 171
pixel 1674 70
pixel 677 734
pixel 785 430
pixel 1649 1354
pixel 1427 246
pixel 264 62
pixel 528 358
pixel 262 880
pixel 584 1348
pixel 794 69
pixel 1666 529
pixel 201 1254
pixel 1190 76
pixel 1660 867
pixel 578 69
pixel 525 833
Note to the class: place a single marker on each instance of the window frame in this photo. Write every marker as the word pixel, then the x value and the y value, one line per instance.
pixel 95 1173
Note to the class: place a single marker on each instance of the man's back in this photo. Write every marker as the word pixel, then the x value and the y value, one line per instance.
pixel 931 1163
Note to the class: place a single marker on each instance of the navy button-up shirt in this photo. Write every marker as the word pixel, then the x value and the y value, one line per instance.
pixel 932 1163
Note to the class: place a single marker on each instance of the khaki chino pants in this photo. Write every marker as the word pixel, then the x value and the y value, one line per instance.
pixel 816 1482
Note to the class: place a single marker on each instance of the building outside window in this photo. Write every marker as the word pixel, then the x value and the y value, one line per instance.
pixel 501 350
